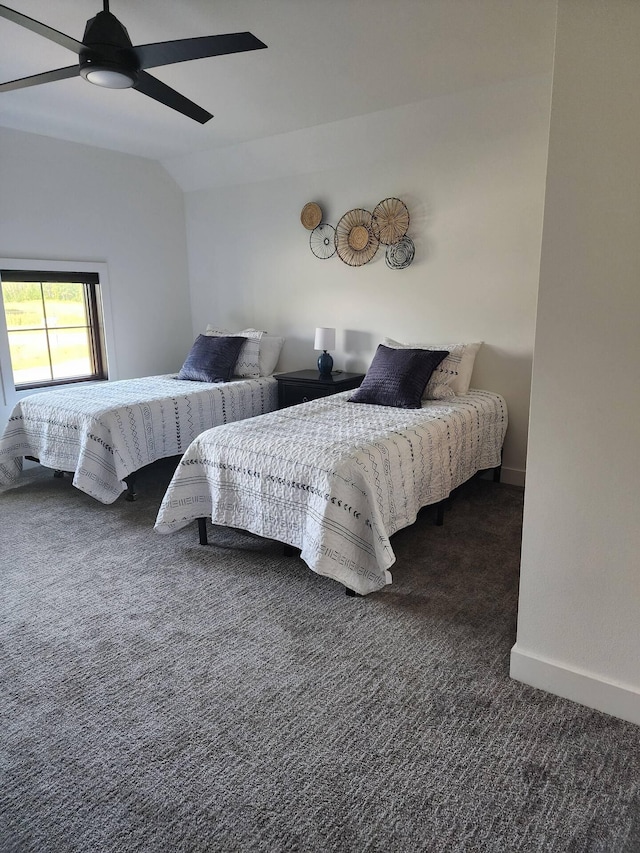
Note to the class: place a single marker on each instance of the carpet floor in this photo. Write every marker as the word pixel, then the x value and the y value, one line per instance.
pixel 164 697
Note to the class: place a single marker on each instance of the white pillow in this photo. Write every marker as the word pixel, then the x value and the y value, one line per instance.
pixel 248 363
pixel 453 375
pixel 270 348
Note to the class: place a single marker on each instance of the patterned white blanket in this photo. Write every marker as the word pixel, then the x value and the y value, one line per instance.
pixel 336 479
pixel 105 432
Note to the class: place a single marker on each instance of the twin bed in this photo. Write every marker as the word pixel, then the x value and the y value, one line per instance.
pixel 335 479
pixel 103 433
pixel 331 477
pixel 106 432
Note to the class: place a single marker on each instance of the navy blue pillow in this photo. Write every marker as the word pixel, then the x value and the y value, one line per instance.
pixel 211 359
pixel 398 377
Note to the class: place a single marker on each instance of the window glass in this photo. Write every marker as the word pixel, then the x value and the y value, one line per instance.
pixel 70 353
pixel 29 357
pixel 23 305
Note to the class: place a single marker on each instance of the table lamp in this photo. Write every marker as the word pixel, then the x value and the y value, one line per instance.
pixel 325 340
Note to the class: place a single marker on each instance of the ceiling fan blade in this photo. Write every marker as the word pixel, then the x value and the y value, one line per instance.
pixel 159 91
pixel 45 77
pixel 181 50
pixel 40 29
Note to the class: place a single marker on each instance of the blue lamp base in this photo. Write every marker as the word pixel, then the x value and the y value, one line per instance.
pixel 325 364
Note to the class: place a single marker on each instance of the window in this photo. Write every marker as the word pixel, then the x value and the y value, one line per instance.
pixel 54 327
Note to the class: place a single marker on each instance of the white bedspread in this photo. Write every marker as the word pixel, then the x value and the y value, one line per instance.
pixel 106 431
pixel 336 479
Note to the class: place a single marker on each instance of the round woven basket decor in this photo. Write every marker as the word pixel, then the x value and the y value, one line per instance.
pixel 399 255
pixel 322 241
pixel 390 220
pixel 358 238
pixel 356 244
pixel 311 215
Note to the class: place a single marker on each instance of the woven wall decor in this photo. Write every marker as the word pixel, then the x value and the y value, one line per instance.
pixel 311 215
pixel 359 233
pixel 390 220
pixel 356 244
pixel 322 241
pixel 400 254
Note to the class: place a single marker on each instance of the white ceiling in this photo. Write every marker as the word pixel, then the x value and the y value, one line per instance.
pixel 326 60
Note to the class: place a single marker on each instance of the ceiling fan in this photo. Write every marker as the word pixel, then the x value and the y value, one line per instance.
pixel 107 58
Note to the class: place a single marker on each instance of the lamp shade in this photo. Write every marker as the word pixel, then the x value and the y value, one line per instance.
pixel 325 338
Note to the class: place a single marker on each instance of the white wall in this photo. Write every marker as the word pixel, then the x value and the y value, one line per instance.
pixel 471 170
pixel 63 201
pixel 579 614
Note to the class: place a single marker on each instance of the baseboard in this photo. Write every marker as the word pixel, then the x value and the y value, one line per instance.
pixel 511 476
pixel 578 686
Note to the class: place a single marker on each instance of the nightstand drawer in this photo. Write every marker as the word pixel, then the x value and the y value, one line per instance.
pixel 301 386
pixel 291 395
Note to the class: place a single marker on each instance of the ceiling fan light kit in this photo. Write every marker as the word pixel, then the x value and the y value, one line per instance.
pixel 106 57
pixel 109 78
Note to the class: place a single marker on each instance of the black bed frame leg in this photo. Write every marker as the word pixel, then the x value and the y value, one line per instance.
pixel 497 472
pixel 131 492
pixel 202 531
pixel 440 512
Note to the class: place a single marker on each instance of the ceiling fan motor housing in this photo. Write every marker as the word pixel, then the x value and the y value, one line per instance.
pixel 107 57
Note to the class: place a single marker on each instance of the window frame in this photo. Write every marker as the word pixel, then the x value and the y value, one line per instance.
pixel 10 393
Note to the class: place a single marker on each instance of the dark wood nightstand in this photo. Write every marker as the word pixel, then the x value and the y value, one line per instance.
pixel 304 385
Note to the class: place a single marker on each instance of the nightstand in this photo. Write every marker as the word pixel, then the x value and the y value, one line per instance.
pixel 304 385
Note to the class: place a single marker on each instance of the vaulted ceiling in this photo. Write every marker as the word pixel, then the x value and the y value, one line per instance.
pixel 326 60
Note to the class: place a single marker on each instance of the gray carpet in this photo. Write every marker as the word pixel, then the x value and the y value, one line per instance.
pixel 160 696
